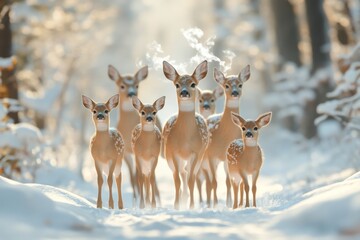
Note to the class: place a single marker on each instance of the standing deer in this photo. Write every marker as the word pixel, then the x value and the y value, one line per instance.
pixel 223 130
pixel 245 157
pixel 146 144
pixel 185 134
pixel 106 146
pixel 129 118
pixel 207 106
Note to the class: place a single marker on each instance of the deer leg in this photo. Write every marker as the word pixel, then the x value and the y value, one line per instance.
pixel 118 184
pixel 133 176
pixel 228 186
pixel 198 184
pixel 247 188
pixel 177 189
pixel 214 181
pixel 141 188
pixel 147 189
pixel 241 193
pixel 192 181
pixel 235 185
pixel 100 181
pixel 153 189
pixel 254 180
pixel 208 188
pixel 156 190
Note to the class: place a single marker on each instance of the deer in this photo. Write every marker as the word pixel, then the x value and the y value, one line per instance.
pixel 106 147
pixel 128 118
pixel 146 144
pixel 223 130
pixel 206 101
pixel 245 157
pixel 185 134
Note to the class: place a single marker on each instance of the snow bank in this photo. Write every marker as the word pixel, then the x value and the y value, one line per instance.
pixel 328 211
pixel 34 209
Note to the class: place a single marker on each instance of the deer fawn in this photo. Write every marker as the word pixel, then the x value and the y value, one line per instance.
pixel 146 143
pixel 223 130
pixel 106 146
pixel 245 157
pixel 129 118
pixel 185 134
pixel 207 100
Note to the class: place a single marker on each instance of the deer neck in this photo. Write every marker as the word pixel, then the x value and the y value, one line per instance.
pixel 148 127
pixel 186 113
pixel 250 145
pixel 126 106
pixel 231 105
pixel 102 135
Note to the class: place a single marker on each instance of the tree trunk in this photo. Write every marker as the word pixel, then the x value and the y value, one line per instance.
pixel 286 33
pixel 318 29
pixel 7 74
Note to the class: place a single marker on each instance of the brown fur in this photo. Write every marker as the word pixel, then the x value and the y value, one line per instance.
pixel 185 134
pixel 245 157
pixel 223 130
pixel 107 147
pixel 146 144
pixel 128 118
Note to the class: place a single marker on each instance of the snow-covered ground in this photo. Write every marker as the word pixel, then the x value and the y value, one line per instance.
pixel 300 197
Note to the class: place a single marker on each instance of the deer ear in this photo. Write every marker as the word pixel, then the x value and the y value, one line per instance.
pixel 141 74
pixel 113 73
pixel 201 71
pixel 218 92
pixel 113 101
pixel 237 119
pixel 88 102
pixel 159 104
pixel 219 76
pixel 137 103
pixel 264 119
pixel 169 71
pixel 244 75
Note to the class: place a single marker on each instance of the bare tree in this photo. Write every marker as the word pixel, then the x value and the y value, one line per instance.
pixel 7 74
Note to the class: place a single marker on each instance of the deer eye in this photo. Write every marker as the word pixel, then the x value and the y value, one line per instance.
pixel 200 101
pixel 193 85
pixel 255 128
pixel 240 85
pixel 137 86
pixel 212 100
pixel 177 85
pixel 122 87
pixel 94 111
pixel 154 113
pixel 143 113
pixel 106 111
pixel 227 86
pixel 243 128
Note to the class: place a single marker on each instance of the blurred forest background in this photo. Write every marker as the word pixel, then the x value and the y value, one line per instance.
pixel 304 55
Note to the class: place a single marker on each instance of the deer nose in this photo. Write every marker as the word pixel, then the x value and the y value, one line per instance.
pixel 234 93
pixel 206 106
pixel 100 116
pixel 149 119
pixel 130 94
pixel 184 93
pixel 249 134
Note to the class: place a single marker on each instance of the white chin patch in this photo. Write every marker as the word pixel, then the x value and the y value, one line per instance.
pixel 206 113
pixel 127 105
pixel 232 103
pixel 102 126
pixel 187 105
pixel 250 142
pixel 148 127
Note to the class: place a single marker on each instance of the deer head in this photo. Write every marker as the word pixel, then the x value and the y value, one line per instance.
pixel 148 112
pixel 128 85
pixel 207 100
pixel 185 84
pixel 101 111
pixel 250 129
pixel 232 85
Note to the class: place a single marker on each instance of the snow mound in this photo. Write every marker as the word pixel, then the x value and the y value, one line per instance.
pixel 25 207
pixel 327 211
